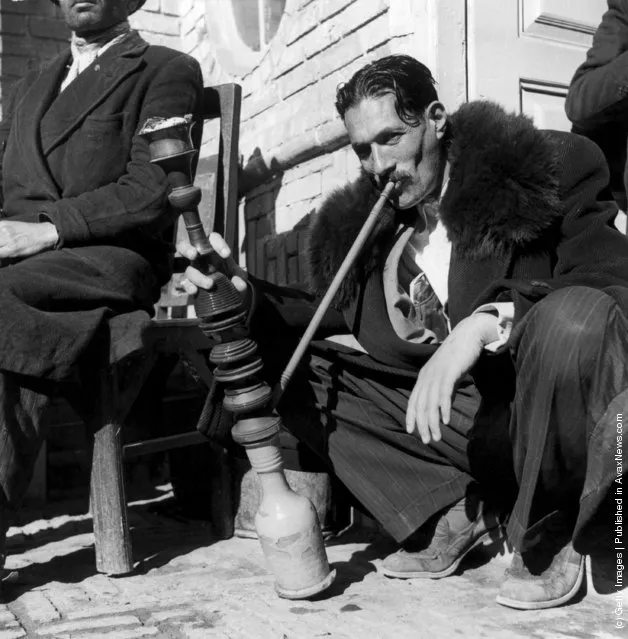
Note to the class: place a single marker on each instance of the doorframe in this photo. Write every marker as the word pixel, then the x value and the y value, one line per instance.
pixel 435 32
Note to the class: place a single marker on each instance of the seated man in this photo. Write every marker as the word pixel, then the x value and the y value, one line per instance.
pixel 84 212
pixel 490 310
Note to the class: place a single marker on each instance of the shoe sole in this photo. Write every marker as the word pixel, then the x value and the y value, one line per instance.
pixel 422 574
pixel 541 605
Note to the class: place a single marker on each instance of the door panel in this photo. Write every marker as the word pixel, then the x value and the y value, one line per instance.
pixel 545 104
pixel 523 53
pixel 566 21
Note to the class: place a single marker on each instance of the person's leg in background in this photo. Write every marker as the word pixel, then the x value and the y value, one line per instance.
pixel 572 380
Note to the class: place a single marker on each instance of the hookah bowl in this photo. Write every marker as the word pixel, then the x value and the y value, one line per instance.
pixel 286 522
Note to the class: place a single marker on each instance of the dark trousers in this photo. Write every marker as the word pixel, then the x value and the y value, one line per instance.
pixel 54 309
pixel 539 436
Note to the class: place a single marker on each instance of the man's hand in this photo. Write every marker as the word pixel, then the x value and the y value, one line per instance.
pixel 431 397
pixel 194 279
pixel 22 239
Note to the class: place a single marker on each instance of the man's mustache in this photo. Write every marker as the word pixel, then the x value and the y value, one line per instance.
pixel 400 179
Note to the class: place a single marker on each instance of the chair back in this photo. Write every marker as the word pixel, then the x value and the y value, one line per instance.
pixel 223 102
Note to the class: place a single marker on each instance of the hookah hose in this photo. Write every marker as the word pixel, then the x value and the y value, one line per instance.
pixel 347 263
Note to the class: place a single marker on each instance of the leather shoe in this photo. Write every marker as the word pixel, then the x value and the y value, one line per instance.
pixel 548 574
pixel 439 546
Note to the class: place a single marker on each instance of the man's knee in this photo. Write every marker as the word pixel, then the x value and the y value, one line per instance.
pixel 576 312
pixel 568 322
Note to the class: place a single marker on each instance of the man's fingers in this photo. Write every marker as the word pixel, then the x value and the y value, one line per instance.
pixel 188 287
pixel 194 280
pixel 230 266
pixel 219 245
pixel 423 429
pixel 411 410
pixel 239 283
pixel 421 414
pixel 410 418
pixel 187 250
pixel 433 414
pixel 197 279
pixel 445 407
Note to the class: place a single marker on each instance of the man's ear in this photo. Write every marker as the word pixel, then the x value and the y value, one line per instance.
pixel 436 116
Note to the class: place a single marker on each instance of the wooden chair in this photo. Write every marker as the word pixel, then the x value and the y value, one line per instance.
pixel 137 338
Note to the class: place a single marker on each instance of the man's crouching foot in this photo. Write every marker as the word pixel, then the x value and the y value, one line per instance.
pixel 437 548
pixel 548 572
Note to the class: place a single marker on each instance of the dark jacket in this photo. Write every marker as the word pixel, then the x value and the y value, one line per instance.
pixel 597 101
pixel 76 160
pixel 521 211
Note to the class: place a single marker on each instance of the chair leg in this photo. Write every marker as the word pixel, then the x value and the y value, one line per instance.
pixel 108 500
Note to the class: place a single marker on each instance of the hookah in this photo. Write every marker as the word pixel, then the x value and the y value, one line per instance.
pixel 286 522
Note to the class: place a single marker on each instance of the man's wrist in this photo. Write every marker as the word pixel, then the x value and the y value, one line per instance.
pixel 488 323
pixel 50 234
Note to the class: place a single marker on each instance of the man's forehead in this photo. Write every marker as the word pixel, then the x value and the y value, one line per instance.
pixel 383 104
pixel 371 116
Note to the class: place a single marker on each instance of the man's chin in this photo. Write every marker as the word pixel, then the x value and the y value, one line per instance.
pixel 404 203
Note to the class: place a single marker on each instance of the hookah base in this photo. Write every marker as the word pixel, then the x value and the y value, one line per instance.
pixel 305 593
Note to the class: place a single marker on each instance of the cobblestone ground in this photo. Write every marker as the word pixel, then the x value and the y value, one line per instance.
pixel 187 585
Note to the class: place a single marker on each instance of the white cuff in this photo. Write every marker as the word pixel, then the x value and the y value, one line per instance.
pixel 505 312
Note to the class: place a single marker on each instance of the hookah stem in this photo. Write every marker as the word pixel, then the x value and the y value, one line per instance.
pixel 198 238
pixel 184 196
pixel 356 247
pixel 196 233
pixel 200 241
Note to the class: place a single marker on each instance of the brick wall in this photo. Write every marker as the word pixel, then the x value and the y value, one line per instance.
pixel 31 33
pixel 159 22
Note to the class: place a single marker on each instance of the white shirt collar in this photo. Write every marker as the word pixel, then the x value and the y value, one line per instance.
pixel 86 50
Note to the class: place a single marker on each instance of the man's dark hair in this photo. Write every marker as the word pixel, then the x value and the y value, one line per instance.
pixel 409 80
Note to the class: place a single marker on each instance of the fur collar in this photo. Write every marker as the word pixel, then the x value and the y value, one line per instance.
pixel 503 192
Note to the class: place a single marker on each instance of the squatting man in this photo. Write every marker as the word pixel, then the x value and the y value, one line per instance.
pixel 489 317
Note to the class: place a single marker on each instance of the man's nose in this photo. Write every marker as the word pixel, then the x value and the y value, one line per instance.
pixel 383 165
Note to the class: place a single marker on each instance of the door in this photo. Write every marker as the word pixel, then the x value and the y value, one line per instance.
pixel 523 53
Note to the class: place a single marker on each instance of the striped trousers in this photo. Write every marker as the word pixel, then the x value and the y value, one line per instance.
pixel 539 433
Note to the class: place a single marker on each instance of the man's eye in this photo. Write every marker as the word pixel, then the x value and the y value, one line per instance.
pixel 394 139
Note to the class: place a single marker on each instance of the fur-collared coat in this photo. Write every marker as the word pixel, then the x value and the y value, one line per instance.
pixel 522 213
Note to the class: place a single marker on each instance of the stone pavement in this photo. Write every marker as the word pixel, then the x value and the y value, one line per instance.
pixel 188 585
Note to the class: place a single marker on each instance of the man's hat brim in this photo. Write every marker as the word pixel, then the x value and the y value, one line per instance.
pixel 139 5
